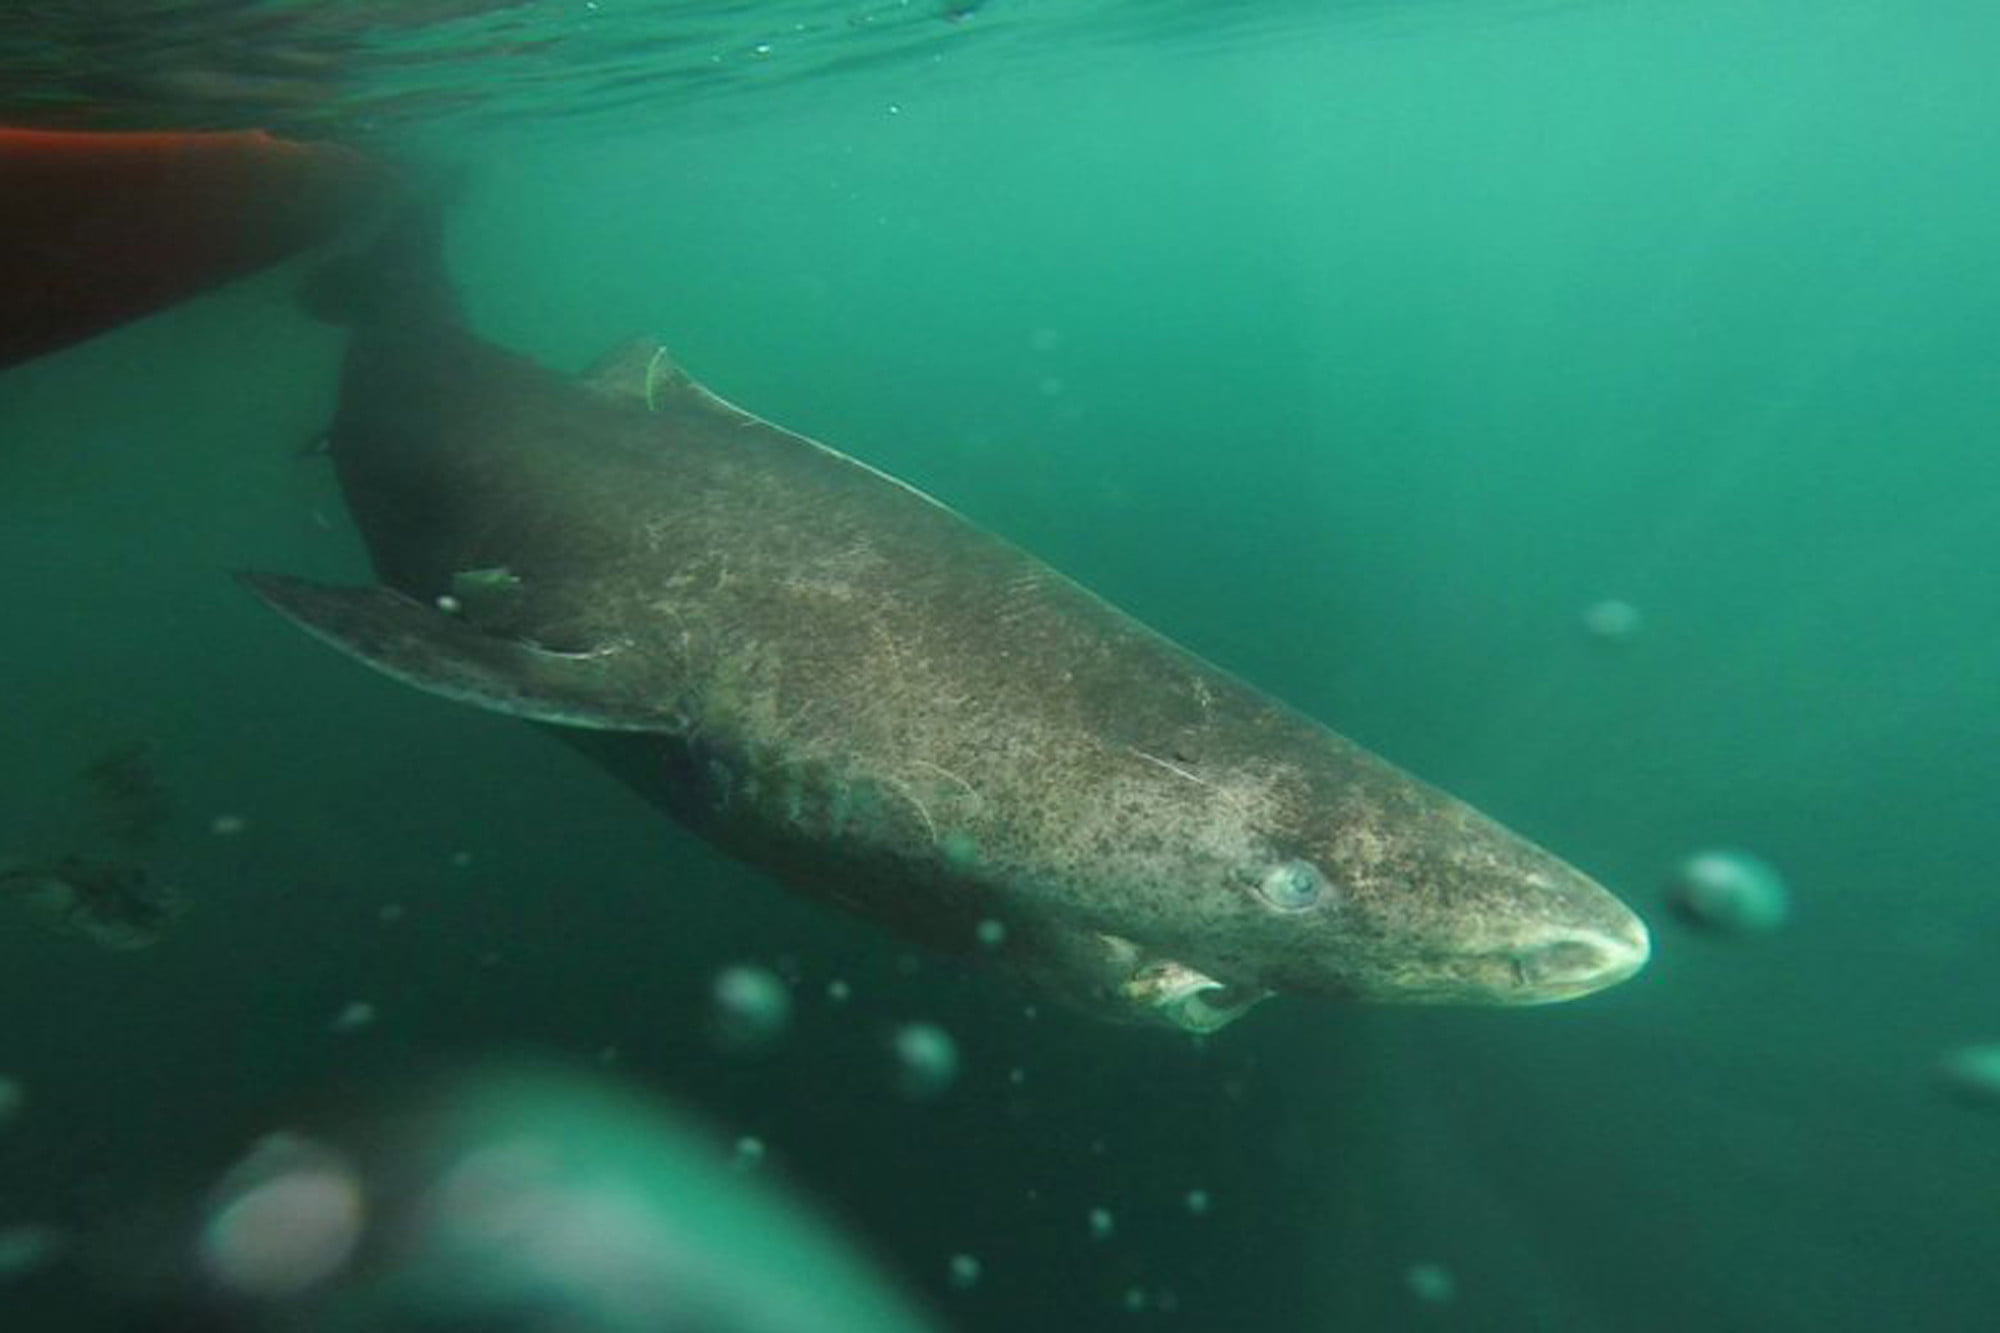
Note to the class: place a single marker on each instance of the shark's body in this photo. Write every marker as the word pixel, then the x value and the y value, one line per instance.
pixel 841 680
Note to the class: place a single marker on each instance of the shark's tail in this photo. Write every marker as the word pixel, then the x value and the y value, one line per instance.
pixel 399 275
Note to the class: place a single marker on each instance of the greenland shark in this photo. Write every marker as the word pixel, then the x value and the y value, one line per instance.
pixel 837 678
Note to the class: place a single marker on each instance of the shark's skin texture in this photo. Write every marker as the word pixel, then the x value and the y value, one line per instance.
pixel 839 679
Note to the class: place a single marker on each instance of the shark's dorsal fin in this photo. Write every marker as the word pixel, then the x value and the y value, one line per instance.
pixel 627 372
pixel 643 372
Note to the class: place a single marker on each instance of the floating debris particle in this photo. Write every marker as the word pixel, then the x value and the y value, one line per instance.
pixel 27 1247
pixel 961 850
pixel 992 934
pixel 838 991
pixel 926 1059
pixel 749 1153
pixel 1612 620
pixel 1730 893
pixel 13 1097
pixel 750 1007
pixel 356 1016
pixel 1970 1075
pixel 1102 1224
pixel 228 826
pixel 1197 1202
pixel 964 1271
pixel 288 1217
pixel 1431 1283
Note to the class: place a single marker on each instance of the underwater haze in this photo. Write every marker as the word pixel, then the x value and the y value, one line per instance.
pixel 1589 407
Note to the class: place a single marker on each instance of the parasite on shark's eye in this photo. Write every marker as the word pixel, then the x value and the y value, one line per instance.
pixel 1292 886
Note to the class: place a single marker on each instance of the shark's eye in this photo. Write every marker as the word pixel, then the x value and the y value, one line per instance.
pixel 1292 886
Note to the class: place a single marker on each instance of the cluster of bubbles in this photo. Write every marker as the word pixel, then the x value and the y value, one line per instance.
pixel 750 1009
pixel 1727 892
pixel 25 1247
pixel 1733 893
pixel 526 1200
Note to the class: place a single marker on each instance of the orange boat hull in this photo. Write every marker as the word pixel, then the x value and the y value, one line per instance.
pixel 97 229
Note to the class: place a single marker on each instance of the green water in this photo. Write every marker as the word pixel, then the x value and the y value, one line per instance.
pixel 1360 353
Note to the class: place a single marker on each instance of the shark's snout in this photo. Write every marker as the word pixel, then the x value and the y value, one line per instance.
pixel 1580 961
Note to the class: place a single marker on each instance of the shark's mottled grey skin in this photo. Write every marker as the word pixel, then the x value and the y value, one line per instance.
pixel 841 680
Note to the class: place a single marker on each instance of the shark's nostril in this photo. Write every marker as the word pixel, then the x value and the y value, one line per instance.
pixel 1578 964
pixel 1564 961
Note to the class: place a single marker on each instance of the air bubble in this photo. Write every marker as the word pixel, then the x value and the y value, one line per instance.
pixel 751 1007
pixel 356 1016
pixel 26 1247
pixel 1612 620
pixel 290 1218
pixel 926 1059
pixel 1971 1075
pixel 1433 1284
pixel 1730 893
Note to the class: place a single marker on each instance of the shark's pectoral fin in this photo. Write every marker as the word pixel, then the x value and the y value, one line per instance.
pixel 1118 979
pixel 1182 997
pixel 423 646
